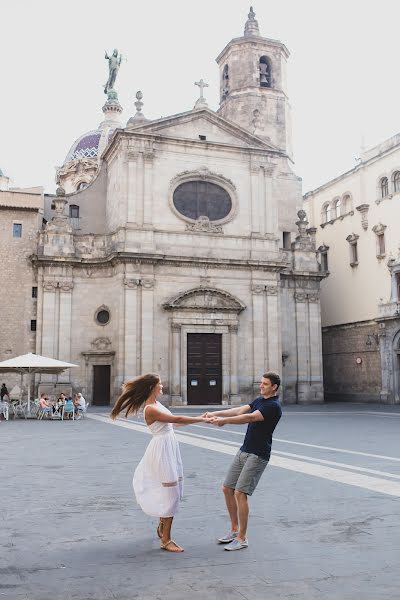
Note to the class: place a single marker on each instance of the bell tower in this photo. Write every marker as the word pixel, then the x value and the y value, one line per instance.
pixel 253 89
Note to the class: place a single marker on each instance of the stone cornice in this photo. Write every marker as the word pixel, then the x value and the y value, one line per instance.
pixel 179 261
pixel 254 39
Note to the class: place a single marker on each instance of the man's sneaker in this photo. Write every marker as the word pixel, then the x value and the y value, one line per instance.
pixel 229 537
pixel 237 545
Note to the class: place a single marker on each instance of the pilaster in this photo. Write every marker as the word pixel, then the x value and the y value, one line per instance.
pixel 258 319
pixel 234 366
pixel 65 326
pixel 130 327
pixel 147 286
pixel 274 334
pixel 176 367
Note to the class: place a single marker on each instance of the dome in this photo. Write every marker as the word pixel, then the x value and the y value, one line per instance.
pixel 87 146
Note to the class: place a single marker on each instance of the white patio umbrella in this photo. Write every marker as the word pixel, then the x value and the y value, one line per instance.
pixel 33 363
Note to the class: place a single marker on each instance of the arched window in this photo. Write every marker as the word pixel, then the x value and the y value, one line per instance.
pixel 265 72
pixel 326 213
pixel 384 187
pixel 396 181
pixel 81 186
pixel 346 204
pixel 336 208
pixel 194 199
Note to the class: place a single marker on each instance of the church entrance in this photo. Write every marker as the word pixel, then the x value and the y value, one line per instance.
pixel 204 368
pixel 101 385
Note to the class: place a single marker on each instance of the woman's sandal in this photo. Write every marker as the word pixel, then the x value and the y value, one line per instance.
pixel 165 547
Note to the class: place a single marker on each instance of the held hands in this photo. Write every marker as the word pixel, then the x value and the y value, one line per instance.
pixel 211 417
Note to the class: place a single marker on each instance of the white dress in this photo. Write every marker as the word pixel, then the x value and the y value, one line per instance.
pixel 158 478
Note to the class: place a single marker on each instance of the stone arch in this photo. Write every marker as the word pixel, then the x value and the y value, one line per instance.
pixel 205 299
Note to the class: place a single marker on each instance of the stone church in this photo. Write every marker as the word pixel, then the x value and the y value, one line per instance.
pixel 179 246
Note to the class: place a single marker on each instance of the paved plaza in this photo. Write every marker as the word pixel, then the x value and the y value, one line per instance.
pixel 324 520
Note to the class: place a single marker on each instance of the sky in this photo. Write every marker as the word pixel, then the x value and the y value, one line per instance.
pixel 343 72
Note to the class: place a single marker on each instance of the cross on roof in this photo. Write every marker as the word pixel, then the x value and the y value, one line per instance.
pixel 201 84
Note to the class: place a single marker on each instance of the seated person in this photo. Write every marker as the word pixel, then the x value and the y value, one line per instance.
pixel 44 403
pixel 68 407
pixel 80 404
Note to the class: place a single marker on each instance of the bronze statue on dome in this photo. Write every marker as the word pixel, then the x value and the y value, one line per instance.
pixel 114 62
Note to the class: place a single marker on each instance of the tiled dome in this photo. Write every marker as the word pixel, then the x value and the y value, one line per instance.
pixel 87 146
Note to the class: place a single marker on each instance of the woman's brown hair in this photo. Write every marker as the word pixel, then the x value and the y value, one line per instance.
pixel 134 394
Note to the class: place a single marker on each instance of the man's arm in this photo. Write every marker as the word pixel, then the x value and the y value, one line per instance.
pixel 238 419
pixel 229 412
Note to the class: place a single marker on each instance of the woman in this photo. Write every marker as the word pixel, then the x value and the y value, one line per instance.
pixel 158 478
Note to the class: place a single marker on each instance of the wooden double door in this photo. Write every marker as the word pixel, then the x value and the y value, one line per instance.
pixel 101 385
pixel 204 368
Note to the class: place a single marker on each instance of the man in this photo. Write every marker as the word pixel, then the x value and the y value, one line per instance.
pixel 80 405
pixel 262 416
pixel 3 392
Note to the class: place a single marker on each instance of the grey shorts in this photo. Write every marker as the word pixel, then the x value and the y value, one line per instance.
pixel 245 472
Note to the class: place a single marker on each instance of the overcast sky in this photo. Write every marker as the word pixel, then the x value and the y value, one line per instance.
pixel 343 72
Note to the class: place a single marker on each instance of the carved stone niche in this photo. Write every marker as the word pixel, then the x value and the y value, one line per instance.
pixel 101 343
pixel 205 300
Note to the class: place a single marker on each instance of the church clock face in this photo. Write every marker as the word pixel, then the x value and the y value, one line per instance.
pixel 194 199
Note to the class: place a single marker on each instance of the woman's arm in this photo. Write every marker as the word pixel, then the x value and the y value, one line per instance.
pixel 155 414
pixel 229 412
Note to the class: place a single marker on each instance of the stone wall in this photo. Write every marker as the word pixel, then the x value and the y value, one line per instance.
pixel 352 363
pixel 17 279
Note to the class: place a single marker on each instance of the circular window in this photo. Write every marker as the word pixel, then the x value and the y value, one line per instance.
pixel 194 199
pixel 103 317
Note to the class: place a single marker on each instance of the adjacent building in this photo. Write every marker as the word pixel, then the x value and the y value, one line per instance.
pixel 21 218
pixel 355 220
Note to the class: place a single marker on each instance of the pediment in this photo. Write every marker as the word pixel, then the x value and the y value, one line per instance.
pixel 205 299
pixel 205 122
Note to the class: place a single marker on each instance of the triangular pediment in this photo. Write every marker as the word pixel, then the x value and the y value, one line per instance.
pixel 205 299
pixel 205 122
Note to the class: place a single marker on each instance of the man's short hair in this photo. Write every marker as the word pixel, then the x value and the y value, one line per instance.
pixel 273 377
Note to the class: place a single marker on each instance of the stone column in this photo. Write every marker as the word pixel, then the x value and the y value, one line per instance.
pixel 132 198
pixel 65 325
pixel 302 338
pixel 147 324
pixel 49 328
pixel 39 312
pixel 176 367
pixel 316 370
pixel 258 321
pixel 130 328
pixel 255 201
pixel 234 366
pixel 148 187
pixel 139 189
pixel 393 295
pixel 271 208
pixel 389 380
pixel 274 334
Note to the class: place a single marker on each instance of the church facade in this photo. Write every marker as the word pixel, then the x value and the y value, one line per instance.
pixel 180 247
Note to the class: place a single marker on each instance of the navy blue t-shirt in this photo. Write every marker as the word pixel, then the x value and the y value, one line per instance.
pixel 258 439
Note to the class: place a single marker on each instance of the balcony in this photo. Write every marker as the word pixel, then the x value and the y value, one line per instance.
pixel 389 310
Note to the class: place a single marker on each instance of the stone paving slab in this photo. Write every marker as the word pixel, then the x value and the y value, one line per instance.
pixel 70 529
